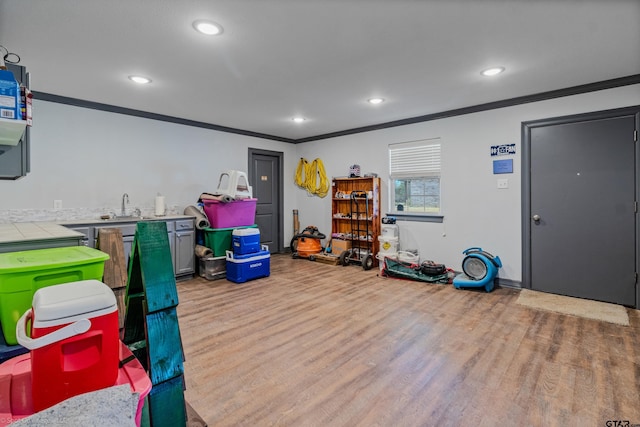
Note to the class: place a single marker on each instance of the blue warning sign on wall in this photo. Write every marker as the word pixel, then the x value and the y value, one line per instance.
pixel 503 150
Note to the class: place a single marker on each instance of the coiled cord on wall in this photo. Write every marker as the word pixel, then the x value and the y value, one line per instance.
pixel 312 177
pixel 301 173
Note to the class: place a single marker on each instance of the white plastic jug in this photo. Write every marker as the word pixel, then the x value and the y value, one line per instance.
pixel 235 184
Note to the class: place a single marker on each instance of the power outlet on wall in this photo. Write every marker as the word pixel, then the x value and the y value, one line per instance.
pixel 503 183
pixel 57 205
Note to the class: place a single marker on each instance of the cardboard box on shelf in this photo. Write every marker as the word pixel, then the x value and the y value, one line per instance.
pixel 339 246
pixel 9 96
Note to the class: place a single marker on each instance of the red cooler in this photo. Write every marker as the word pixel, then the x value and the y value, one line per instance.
pixel 74 341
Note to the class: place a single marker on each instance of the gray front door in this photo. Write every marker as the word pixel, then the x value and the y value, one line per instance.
pixel 581 219
pixel 265 175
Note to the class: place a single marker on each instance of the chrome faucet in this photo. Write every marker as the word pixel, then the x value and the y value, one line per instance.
pixel 125 199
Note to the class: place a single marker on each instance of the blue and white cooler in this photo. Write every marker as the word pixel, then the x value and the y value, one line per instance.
pixel 241 268
pixel 245 241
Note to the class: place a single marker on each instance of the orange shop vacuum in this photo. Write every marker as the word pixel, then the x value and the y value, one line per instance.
pixel 307 244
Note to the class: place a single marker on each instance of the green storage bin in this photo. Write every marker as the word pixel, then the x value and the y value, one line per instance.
pixel 23 273
pixel 220 240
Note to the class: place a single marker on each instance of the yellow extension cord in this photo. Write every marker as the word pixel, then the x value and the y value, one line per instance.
pixel 301 174
pixel 308 175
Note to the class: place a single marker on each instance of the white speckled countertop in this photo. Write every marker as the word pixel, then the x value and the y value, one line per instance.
pixel 33 231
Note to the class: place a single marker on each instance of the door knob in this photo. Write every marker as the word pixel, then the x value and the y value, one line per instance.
pixel 536 218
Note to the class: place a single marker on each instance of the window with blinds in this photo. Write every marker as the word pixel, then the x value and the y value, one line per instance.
pixel 414 169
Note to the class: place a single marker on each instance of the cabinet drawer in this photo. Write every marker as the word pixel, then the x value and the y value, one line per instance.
pixel 184 224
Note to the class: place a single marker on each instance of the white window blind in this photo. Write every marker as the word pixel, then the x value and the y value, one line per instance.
pixel 415 159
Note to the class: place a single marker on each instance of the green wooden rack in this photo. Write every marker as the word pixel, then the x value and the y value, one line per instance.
pixel 151 328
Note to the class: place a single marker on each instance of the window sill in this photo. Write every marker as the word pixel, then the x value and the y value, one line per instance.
pixel 417 217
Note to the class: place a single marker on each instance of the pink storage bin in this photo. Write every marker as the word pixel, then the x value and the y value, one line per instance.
pixel 239 213
pixel 16 392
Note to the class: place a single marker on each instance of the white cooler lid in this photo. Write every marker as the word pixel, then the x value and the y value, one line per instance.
pixel 263 254
pixel 245 231
pixel 65 302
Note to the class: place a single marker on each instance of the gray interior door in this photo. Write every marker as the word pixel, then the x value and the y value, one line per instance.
pixel 265 176
pixel 582 218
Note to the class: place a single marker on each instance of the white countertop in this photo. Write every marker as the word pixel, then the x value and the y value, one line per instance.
pixel 97 221
pixel 36 231
pixel 33 231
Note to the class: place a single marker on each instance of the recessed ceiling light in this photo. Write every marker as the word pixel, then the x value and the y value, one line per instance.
pixel 492 71
pixel 375 101
pixel 298 119
pixel 209 28
pixel 140 79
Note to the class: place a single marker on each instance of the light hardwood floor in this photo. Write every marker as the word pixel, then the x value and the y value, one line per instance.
pixel 321 345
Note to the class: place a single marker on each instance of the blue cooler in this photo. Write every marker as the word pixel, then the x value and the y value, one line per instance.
pixel 241 268
pixel 245 241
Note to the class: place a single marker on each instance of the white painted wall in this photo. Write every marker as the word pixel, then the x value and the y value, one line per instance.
pixel 89 158
pixel 476 213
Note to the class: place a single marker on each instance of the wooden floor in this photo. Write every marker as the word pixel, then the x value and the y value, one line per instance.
pixel 321 345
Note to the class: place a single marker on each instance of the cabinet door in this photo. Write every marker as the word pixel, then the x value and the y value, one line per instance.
pixel 184 258
pixel 127 242
pixel 172 249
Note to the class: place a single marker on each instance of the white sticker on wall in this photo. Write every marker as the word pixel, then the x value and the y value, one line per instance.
pixel 503 150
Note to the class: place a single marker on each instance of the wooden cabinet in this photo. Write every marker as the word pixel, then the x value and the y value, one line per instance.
pixel 356 220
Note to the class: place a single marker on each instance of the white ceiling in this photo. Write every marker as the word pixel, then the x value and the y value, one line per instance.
pixel 318 58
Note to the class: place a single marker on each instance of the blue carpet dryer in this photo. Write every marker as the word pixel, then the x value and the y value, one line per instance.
pixel 480 270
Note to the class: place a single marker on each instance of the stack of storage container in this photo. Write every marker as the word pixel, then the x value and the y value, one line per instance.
pixel 219 241
pixel 224 217
pixel 53 303
pixel 23 273
pixel 233 238
pixel 248 260
pixel 388 243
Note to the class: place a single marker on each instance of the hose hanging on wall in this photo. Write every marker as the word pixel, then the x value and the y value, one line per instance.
pixel 312 177
pixel 301 173
pixel 317 181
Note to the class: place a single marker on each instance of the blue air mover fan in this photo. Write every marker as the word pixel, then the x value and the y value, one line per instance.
pixel 480 269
